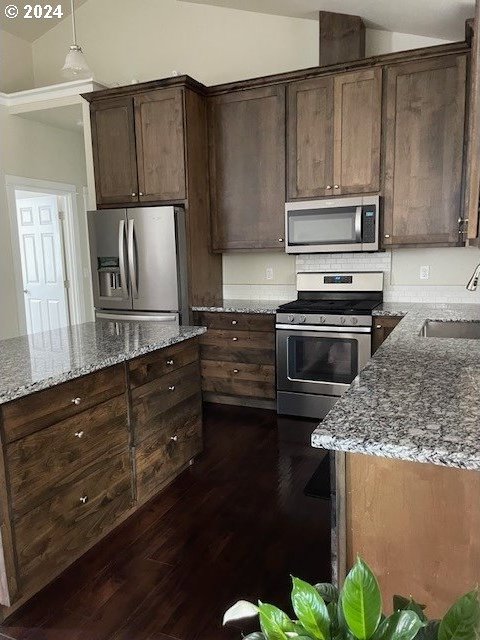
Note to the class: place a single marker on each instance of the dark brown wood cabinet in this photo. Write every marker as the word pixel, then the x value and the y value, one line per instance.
pixel 424 146
pixel 247 168
pixel 238 358
pixel 159 125
pixel 79 458
pixel 333 134
pixel 382 328
pixel 114 153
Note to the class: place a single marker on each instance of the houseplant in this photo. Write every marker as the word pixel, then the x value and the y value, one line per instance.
pixel 355 613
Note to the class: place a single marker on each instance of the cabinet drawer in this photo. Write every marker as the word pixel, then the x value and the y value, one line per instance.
pixel 55 533
pixel 159 457
pixel 156 364
pixel 238 387
pixel 235 371
pixel 237 321
pixel 29 414
pixel 46 460
pixel 238 339
pixel 158 396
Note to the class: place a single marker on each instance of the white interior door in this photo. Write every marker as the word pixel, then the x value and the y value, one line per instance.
pixel 43 269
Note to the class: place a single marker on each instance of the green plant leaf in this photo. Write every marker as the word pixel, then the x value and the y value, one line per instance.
pixel 400 603
pixel 310 609
pixel 430 631
pixel 462 620
pixel 258 635
pixel 401 625
pixel 328 592
pixel 361 601
pixel 274 622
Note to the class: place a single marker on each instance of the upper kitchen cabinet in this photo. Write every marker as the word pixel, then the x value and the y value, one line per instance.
pixel 139 147
pixel 160 147
pixel 424 141
pixel 114 154
pixel 247 168
pixel 333 133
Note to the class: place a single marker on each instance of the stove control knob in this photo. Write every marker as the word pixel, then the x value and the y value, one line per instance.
pixel 354 320
pixel 343 320
pixel 322 319
pixel 291 318
pixel 302 318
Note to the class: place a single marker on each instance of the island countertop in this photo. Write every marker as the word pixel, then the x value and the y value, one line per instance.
pixel 417 399
pixel 43 360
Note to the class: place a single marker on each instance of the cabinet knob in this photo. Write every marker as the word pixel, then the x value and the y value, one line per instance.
pixel 169 362
pixel 336 186
pixel 174 438
pixel 79 434
pixel 378 326
pixel 234 322
pixel 387 235
pixel 171 387
pixel 235 371
pixel 133 194
pixel 76 401
pixel 140 193
pixel 84 499
pixel 235 339
pixel 329 186
pixel 280 239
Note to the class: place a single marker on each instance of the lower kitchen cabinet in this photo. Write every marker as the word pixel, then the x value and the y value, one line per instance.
pixel 382 328
pixel 79 458
pixel 238 358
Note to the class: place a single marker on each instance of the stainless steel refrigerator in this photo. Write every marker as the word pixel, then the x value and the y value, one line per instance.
pixel 139 263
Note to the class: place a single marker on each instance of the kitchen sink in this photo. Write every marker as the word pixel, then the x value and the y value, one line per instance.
pixel 457 329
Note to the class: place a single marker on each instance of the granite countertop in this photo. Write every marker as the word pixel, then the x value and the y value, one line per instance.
pixel 417 399
pixel 244 306
pixel 43 360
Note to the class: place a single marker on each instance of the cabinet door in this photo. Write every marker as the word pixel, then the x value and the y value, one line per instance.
pixel 160 145
pixel 114 155
pixel 357 127
pixel 424 138
pixel 310 138
pixel 247 163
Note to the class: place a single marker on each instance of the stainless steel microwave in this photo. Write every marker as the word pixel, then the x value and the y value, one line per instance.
pixel 328 226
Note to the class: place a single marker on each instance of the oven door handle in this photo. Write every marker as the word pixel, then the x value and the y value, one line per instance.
pixel 358 225
pixel 321 329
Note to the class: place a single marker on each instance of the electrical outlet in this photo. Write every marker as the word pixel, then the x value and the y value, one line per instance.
pixel 269 273
pixel 424 272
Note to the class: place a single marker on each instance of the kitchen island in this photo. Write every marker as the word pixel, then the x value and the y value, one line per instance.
pixel 95 420
pixel 411 505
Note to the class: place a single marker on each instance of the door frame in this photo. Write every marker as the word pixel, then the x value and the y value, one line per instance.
pixel 70 240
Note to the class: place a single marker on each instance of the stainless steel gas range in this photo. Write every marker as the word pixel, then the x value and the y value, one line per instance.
pixel 324 338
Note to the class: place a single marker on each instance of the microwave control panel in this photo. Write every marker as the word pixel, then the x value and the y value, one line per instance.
pixel 368 224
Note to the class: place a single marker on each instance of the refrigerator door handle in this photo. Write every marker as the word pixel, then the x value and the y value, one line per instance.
pixel 121 256
pixel 132 261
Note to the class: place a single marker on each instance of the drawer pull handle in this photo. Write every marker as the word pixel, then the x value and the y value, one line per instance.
pixel 235 339
pixel 174 438
pixel 171 387
pixel 76 401
pixel 79 434
pixel 234 322
pixel 378 326
pixel 280 239
pixel 84 499
pixel 170 362
pixel 235 371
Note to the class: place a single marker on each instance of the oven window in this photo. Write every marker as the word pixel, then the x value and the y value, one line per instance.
pixel 322 226
pixel 322 359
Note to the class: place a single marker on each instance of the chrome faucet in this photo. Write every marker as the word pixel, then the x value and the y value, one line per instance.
pixel 473 282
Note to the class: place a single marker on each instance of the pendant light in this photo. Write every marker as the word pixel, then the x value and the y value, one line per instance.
pixel 75 64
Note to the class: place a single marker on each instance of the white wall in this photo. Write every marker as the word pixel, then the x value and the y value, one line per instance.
pixel 16 63
pixel 34 150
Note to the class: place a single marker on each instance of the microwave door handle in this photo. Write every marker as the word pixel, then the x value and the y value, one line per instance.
pixel 358 225
pixel 132 262
pixel 121 258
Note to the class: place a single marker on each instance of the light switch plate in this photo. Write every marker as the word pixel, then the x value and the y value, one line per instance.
pixel 424 272
pixel 269 273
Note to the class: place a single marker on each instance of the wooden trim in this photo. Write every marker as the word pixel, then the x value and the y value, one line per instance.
pixel 256 403
pixel 339 518
pixel 341 38
pixel 134 89
pixel 472 174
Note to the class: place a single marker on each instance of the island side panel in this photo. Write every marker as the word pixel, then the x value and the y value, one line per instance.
pixel 417 525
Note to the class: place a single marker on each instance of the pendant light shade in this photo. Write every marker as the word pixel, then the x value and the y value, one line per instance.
pixel 75 63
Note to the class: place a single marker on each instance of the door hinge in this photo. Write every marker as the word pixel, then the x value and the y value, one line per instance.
pixel 66 284
pixel 61 216
pixel 463 226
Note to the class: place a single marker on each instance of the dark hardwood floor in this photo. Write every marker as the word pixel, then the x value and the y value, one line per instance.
pixel 233 526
